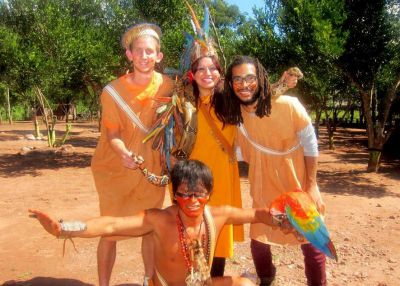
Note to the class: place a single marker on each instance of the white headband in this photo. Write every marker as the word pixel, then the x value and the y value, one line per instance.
pixel 147 32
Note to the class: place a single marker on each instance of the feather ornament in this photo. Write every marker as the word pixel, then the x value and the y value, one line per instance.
pixel 174 129
pixel 206 22
pixel 194 19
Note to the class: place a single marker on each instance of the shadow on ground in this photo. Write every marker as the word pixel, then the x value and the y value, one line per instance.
pixel 15 165
pixel 50 281
pixel 47 281
pixel 75 139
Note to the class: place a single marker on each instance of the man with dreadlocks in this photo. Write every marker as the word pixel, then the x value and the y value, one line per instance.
pixel 277 139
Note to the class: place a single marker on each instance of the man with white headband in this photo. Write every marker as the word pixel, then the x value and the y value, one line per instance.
pixel 117 164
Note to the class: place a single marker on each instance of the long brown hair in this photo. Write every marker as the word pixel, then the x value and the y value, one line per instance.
pixel 218 89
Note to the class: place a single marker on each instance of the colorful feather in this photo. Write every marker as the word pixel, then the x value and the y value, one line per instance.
pixel 185 62
pixel 171 111
pixel 206 21
pixel 303 215
pixel 194 18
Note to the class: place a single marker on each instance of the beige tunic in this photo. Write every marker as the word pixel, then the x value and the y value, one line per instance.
pixel 124 191
pixel 272 175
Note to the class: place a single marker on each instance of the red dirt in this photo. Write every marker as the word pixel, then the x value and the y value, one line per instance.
pixel 363 215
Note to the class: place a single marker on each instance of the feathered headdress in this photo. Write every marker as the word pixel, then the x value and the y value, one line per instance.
pixel 176 127
pixel 198 45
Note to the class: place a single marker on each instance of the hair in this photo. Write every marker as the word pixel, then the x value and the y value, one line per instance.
pixel 192 173
pixel 228 108
pixel 218 89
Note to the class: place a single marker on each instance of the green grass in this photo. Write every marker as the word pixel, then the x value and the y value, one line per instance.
pixel 340 115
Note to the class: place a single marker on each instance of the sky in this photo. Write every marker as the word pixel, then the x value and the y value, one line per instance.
pixel 247 5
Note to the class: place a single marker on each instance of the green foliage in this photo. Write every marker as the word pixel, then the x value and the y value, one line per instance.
pixel 68 46
pixel 71 48
pixel 19 112
pixel 368 36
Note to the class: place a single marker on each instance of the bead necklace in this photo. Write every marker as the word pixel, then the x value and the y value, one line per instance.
pixel 187 250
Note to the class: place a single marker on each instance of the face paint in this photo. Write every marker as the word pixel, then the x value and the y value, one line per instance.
pixel 192 203
pixel 245 83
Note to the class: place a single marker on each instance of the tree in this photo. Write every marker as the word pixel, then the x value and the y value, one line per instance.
pixel 68 46
pixel 307 34
pixel 371 62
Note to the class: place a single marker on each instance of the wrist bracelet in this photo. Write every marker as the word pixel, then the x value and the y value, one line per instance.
pixel 67 227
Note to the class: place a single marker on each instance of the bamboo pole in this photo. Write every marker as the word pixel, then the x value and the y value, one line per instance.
pixel 8 106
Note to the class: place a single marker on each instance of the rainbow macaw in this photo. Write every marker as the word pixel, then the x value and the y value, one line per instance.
pixel 303 215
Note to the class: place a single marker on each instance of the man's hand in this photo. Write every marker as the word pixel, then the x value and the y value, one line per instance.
pixel 289 79
pixel 131 161
pixel 315 194
pixel 280 220
pixel 50 225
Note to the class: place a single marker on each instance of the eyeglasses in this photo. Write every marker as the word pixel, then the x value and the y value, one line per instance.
pixel 211 69
pixel 191 195
pixel 250 78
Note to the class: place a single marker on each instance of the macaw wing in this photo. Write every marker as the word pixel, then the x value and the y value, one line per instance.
pixel 159 124
pixel 313 228
pixel 169 141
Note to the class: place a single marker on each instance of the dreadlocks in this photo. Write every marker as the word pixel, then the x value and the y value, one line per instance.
pixel 227 107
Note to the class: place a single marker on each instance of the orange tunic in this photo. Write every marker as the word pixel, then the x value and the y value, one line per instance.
pixel 226 189
pixel 124 191
pixel 272 175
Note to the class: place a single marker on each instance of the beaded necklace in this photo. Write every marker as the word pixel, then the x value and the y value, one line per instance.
pixel 191 252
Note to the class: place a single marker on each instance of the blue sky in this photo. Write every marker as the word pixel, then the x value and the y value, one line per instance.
pixel 247 5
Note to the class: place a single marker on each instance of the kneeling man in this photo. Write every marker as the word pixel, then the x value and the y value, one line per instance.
pixel 184 233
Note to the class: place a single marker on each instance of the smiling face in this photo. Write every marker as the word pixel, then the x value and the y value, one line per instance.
pixel 206 74
pixel 144 54
pixel 192 202
pixel 245 83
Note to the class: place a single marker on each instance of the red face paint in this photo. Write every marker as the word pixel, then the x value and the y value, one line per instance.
pixel 191 207
pixel 192 204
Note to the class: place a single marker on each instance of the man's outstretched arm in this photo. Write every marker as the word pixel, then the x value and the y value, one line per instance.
pixel 232 215
pixel 101 226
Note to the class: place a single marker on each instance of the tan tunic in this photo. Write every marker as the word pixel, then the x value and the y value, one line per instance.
pixel 123 191
pixel 272 175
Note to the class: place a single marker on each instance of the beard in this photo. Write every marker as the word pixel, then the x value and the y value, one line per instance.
pixel 252 100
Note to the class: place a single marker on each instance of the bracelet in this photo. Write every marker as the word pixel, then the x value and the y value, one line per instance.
pixel 71 226
pixel 67 228
pixel 152 178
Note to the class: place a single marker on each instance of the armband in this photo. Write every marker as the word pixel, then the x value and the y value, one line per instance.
pixel 67 227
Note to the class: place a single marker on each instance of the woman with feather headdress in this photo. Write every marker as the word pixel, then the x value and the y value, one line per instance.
pixel 214 140
pixel 201 134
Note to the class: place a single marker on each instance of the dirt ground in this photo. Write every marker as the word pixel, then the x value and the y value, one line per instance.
pixel 363 215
